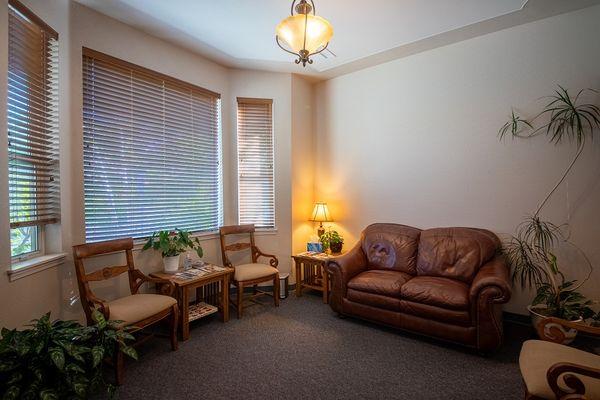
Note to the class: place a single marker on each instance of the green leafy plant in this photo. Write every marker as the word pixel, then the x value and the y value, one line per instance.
pixel 331 239
pixel 59 359
pixel 173 243
pixel 530 251
pixel 559 298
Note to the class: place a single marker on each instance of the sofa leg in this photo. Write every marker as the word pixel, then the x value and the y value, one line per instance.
pixel 341 316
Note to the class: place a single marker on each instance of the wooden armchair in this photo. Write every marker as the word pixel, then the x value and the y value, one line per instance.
pixel 137 310
pixel 554 371
pixel 252 274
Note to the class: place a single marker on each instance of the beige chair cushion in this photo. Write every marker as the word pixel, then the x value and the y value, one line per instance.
pixel 248 272
pixel 134 308
pixel 537 356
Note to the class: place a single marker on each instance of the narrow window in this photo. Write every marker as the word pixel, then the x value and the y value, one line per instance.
pixel 256 189
pixel 33 152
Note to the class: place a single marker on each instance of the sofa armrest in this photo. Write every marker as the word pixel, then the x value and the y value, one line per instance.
pixel 342 269
pixel 348 265
pixel 494 274
pixel 489 290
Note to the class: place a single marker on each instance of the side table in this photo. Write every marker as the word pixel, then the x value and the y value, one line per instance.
pixel 212 294
pixel 311 273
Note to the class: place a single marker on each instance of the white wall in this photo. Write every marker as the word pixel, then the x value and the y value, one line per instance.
pixel 413 141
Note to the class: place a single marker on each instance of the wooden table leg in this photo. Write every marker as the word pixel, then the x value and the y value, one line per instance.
pixel 325 284
pixel 225 297
pixel 298 278
pixel 185 314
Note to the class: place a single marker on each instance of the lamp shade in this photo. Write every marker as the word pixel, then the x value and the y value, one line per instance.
pixel 318 32
pixel 321 213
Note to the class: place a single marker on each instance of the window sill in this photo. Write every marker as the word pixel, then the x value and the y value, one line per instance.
pixel 32 266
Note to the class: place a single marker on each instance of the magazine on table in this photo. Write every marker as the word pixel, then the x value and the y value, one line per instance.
pixel 315 254
pixel 199 269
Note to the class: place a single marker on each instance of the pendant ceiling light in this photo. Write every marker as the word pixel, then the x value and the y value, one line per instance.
pixel 303 33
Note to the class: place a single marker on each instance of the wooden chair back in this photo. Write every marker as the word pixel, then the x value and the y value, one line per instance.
pixel 224 231
pixel 83 251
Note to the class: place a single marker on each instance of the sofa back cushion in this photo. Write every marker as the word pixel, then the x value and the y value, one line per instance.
pixel 391 246
pixel 456 253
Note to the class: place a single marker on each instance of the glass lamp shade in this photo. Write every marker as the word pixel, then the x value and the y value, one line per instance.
pixel 321 213
pixel 318 32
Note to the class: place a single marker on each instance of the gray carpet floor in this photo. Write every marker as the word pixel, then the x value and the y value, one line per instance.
pixel 302 350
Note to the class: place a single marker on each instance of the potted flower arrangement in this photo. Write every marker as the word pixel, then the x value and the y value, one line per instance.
pixel 171 244
pixel 331 240
pixel 531 252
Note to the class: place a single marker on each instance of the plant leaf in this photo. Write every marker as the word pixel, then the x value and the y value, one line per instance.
pixel 48 394
pixel 129 351
pixel 58 357
pixel 97 355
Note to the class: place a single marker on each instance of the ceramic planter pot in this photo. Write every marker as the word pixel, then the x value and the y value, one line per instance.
pixel 536 318
pixel 336 247
pixel 171 264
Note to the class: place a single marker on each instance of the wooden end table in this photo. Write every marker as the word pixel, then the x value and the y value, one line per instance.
pixel 311 273
pixel 212 289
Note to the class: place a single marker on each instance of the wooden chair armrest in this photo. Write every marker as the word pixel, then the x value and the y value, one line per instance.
pixel 274 262
pixel 166 287
pixel 575 387
pixel 102 305
pixel 548 330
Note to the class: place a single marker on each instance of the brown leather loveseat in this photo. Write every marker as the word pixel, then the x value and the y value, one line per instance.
pixel 448 283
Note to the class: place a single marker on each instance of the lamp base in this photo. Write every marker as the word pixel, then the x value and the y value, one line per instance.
pixel 320 231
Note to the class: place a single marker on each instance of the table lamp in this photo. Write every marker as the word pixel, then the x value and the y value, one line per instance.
pixel 321 214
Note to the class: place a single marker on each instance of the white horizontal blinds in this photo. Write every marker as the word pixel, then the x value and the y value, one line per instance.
pixel 256 194
pixel 151 152
pixel 32 116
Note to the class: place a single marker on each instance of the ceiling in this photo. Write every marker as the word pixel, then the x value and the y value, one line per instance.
pixel 240 33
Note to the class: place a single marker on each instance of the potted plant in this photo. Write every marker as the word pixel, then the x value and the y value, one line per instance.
pixel 530 252
pixel 171 244
pixel 560 298
pixel 332 240
pixel 59 359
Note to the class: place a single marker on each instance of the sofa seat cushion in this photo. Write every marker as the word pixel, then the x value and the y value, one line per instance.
pixel 454 317
pixel 137 307
pixel 383 282
pixel 248 272
pixel 436 291
pixel 374 300
pixel 537 356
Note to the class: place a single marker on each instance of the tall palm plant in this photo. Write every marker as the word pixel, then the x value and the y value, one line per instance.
pixel 530 251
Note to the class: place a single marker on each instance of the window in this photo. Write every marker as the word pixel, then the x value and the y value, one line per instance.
pixel 151 151
pixel 256 192
pixel 32 115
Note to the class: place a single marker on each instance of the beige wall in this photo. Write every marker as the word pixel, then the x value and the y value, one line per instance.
pixel 303 162
pixel 55 289
pixel 414 141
